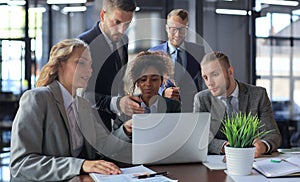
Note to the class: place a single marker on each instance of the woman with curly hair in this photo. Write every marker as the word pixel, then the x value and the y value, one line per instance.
pixel 147 72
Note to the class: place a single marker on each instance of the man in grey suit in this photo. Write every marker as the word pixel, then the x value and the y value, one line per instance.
pixel 218 75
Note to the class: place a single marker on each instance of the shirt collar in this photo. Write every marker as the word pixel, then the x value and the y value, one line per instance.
pixel 153 107
pixel 172 49
pixel 109 42
pixel 66 95
pixel 235 93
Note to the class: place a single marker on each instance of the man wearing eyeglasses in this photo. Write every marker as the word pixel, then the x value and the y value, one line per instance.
pixel 186 57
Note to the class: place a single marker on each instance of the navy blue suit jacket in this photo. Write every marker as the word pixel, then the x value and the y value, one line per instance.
pixel 108 72
pixel 191 82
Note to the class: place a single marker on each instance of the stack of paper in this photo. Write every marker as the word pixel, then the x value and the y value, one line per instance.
pixel 129 175
pixel 215 162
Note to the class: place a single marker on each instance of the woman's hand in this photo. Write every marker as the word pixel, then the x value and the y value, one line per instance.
pixel 128 127
pixel 100 166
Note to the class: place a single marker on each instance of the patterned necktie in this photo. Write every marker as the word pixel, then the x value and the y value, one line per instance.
pixel 229 108
pixel 147 110
pixel 77 138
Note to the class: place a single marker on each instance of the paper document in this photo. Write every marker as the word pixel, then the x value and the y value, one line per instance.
pixel 215 162
pixel 128 175
pixel 277 167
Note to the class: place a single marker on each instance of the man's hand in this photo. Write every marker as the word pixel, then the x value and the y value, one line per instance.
pixel 131 105
pixel 223 147
pixel 260 148
pixel 172 93
pixel 100 166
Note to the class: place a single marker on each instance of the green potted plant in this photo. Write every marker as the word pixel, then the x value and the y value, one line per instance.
pixel 241 130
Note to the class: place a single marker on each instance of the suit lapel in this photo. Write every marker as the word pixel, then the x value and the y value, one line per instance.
pixel 162 105
pixel 217 114
pixel 56 92
pixel 86 122
pixel 218 108
pixel 243 98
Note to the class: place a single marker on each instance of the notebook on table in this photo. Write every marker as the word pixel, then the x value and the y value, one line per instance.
pixel 278 167
pixel 167 138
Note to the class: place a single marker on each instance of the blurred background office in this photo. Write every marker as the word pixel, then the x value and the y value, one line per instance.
pixel 261 37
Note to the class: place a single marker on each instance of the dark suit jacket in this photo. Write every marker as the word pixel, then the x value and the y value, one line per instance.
pixel 107 76
pixel 164 105
pixel 251 99
pixel 191 82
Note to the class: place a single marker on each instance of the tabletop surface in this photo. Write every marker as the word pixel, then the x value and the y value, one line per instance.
pixel 181 172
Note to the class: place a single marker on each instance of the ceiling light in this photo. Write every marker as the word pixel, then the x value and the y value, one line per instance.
pixel 55 7
pixel 74 9
pixel 137 9
pixel 296 12
pixel 280 2
pixel 65 1
pixel 231 12
pixel 38 9
pixel 16 3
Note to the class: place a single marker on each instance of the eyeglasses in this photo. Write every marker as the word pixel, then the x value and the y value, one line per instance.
pixel 173 30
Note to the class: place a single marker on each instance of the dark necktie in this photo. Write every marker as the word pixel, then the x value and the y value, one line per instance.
pixel 179 70
pixel 118 60
pixel 229 108
pixel 179 59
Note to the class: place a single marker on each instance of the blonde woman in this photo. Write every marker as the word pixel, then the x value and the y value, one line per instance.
pixel 47 144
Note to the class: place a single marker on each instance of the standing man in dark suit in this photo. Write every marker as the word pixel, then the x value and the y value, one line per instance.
pixel 217 73
pixel 109 49
pixel 186 57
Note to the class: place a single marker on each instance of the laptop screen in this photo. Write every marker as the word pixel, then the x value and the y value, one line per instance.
pixel 164 138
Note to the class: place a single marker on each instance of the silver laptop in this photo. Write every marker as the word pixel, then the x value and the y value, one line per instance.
pixel 166 138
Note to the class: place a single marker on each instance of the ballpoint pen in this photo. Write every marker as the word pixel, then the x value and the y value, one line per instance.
pixel 152 175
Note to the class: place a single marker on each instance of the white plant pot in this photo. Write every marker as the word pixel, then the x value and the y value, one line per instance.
pixel 239 161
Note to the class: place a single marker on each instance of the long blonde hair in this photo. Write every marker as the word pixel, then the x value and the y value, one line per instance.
pixel 59 53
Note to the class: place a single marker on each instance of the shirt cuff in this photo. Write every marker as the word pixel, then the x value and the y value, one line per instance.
pixel 161 90
pixel 114 105
pixel 223 146
pixel 268 145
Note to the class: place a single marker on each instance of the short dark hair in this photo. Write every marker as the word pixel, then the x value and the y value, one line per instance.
pixel 182 13
pixel 221 57
pixel 125 5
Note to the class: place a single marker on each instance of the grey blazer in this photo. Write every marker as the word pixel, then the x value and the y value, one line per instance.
pixel 41 140
pixel 251 99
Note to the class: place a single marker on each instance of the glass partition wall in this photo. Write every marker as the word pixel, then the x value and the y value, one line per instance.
pixel 278 66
